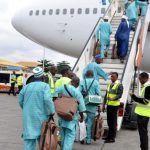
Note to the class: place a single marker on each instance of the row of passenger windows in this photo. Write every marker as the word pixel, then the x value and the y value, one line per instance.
pixel 65 11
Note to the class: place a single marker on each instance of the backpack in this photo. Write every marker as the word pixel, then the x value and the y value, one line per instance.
pixel 49 135
pixel 85 91
pixel 97 129
pixel 66 106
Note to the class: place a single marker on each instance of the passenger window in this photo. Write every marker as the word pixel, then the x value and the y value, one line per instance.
pixel 43 12
pixel 71 11
pixel 94 10
pixel 87 10
pixel 64 11
pixel 50 12
pixel 37 12
pixel 79 11
pixel 57 11
pixel 31 12
pixel 103 11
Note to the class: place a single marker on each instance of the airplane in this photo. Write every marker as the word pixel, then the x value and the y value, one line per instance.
pixel 61 25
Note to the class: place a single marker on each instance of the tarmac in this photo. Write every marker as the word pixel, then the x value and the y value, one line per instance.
pixel 11 129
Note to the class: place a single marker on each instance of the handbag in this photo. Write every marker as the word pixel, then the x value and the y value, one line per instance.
pixel 97 128
pixel 66 106
pixel 49 135
pixel 93 100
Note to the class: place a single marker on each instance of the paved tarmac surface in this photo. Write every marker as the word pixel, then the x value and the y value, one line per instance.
pixel 10 131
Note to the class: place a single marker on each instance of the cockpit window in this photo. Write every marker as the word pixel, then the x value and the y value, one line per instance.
pixel 43 12
pixel 57 11
pixel 31 12
pixel 50 12
pixel 71 11
pixel 94 10
pixel 79 11
pixel 64 11
pixel 37 12
pixel 87 10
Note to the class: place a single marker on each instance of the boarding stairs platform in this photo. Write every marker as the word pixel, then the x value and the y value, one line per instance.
pixel 125 70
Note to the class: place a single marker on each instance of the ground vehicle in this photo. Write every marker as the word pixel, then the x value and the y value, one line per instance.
pixel 5 79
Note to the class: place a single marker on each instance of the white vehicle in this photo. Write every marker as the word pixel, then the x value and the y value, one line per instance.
pixel 5 79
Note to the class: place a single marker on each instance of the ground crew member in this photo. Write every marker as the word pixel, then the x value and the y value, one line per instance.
pixel 36 103
pixel 50 81
pixel 13 82
pixel 95 67
pixel 143 109
pixel 68 128
pixel 53 71
pixel 20 82
pixel 64 79
pixel 113 94
pixel 90 82
pixel 104 32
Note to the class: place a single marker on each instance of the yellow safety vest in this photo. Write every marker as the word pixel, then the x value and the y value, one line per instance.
pixel 112 92
pixel 51 83
pixel 143 109
pixel 13 78
pixel 62 81
pixel 20 80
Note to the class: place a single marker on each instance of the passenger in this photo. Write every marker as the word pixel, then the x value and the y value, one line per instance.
pixel 122 38
pixel 20 82
pixel 113 94
pixel 95 67
pixel 90 82
pixel 36 103
pixel 13 82
pixel 143 5
pixel 71 74
pixel 64 79
pixel 68 128
pixel 131 13
pixel 104 32
pixel 53 71
pixel 143 109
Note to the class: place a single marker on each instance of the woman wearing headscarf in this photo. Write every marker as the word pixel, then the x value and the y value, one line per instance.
pixel 122 38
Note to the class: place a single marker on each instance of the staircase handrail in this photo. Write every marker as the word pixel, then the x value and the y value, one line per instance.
pixel 94 30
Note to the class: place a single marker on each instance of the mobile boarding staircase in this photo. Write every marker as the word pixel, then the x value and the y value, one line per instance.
pixel 125 70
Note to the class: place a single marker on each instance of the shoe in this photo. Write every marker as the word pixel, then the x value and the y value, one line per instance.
pixel 109 141
pixel 105 138
pixel 121 60
pixel 82 142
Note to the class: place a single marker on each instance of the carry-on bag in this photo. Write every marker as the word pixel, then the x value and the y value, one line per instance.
pixel 66 106
pixel 97 129
pixel 49 135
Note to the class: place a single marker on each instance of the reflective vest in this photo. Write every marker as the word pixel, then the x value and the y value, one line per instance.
pixel 51 83
pixel 20 80
pixel 111 93
pixel 62 81
pixel 13 78
pixel 143 109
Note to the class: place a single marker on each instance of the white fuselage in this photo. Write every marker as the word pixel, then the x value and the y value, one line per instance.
pixel 62 25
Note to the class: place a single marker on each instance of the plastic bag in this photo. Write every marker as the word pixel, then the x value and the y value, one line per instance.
pixel 82 129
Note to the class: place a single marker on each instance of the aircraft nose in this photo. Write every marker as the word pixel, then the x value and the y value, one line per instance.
pixel 16 21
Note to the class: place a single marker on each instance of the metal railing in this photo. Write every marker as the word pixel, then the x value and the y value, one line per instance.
pixel 87 52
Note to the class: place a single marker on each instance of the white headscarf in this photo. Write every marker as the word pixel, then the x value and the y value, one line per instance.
pixel 126 18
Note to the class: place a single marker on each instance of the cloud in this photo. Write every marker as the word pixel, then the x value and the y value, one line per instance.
pixel 14 46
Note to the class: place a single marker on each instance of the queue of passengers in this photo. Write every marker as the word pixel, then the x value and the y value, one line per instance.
pixel 38 97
